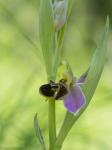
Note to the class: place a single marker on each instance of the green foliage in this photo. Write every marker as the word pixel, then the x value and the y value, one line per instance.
pixel 97 65
pixel 46 25
pixel 39 133
pixel 70 5
pixel 22 72
pixel 90 85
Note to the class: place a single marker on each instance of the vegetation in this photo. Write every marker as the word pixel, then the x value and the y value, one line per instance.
pixel 22 71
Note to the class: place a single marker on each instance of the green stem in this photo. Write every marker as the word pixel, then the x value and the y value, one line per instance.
pixel 55 63
pixel 52 117
pixel 57 58
pixel 52 123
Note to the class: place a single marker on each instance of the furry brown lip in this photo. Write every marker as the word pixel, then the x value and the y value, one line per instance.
pixel 55 90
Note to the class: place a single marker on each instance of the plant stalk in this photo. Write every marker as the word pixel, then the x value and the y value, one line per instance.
pixel 52 117
pixel 52 123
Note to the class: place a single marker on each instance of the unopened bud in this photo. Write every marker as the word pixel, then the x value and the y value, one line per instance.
pixel 60 14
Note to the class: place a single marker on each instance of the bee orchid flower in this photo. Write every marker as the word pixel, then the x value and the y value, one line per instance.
pixel 67 89
pixel 75 99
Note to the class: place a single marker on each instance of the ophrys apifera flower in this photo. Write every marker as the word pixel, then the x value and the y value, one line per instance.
pixel 67 89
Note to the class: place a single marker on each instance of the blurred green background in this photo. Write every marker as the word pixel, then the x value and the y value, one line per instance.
pixel 22 72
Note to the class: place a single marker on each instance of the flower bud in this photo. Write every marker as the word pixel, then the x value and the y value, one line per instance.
pixel 60 14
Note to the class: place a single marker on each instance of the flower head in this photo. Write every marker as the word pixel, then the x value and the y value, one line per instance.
pixel 74 99
pixel 67 89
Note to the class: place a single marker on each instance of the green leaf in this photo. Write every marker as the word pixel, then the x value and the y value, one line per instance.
pixel 39 133
pixel 47 33
pixel 97 65
pixel 61 36
pixel 70 5
pixel 90 86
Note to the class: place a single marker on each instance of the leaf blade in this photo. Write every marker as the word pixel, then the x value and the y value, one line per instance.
pixel 94 73
pixel 47 33
pixel 38 132
pixel 97 65
pixel 70 5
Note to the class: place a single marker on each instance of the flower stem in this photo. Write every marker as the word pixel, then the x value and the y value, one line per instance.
pixel 55 63
pixel 52 117
pixel 52 123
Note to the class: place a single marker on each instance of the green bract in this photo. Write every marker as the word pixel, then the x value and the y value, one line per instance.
pixel 70 5
pixel 47 33
pixel 90 85
pixel 39 133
